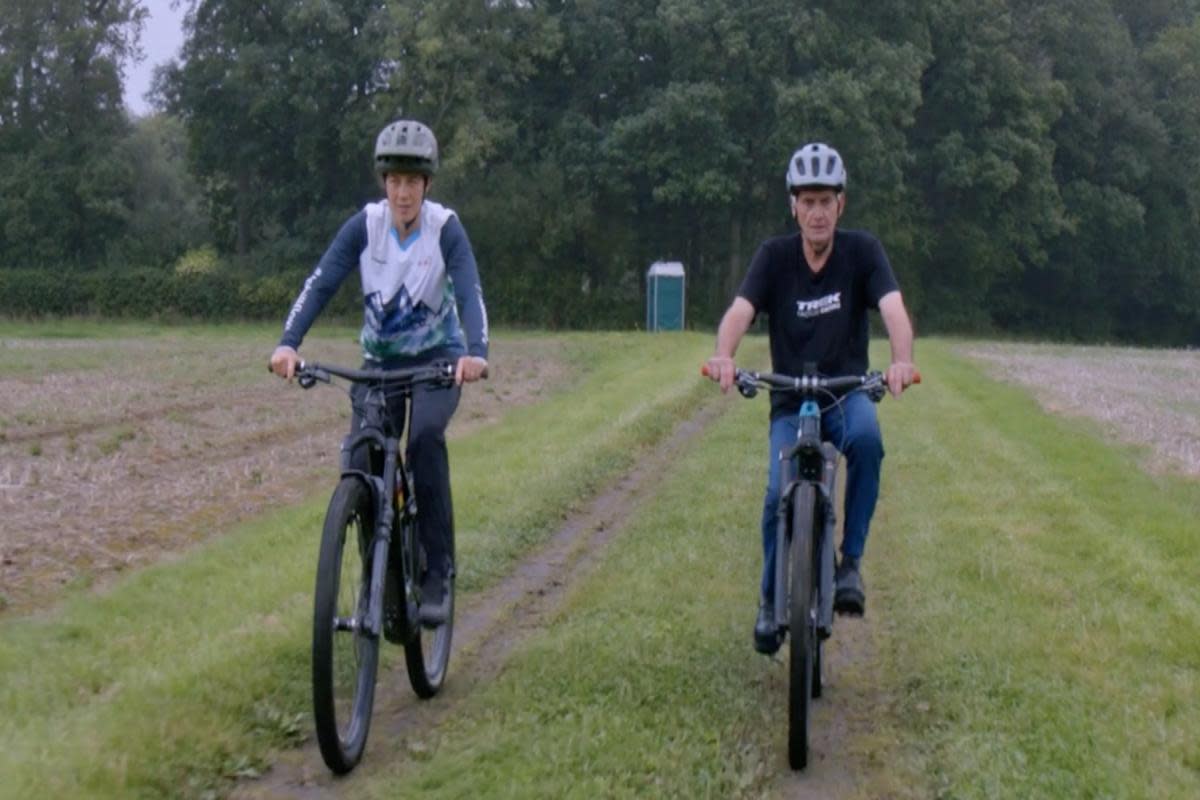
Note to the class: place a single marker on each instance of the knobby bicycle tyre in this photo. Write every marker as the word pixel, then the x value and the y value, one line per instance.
pixel 426 650
pixel 801 629
pixel 344 656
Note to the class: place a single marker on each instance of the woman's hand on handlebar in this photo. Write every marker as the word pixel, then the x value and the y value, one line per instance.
pixel 470 369
pixel 284 362
pixel 721 369
pixel 900 375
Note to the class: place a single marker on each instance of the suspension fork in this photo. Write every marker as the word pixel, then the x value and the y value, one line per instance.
pixel 824 553
pixel 381 543
pixel 796 467
pixel 382 488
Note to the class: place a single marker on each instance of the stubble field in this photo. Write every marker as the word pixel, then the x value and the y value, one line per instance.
pixel 119 451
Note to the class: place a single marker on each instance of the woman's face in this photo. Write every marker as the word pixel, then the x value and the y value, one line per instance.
pixel 405 192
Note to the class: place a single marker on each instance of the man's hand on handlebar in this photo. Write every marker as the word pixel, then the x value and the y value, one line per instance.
pixel 284 362
pixel 721 369
pixel 900 375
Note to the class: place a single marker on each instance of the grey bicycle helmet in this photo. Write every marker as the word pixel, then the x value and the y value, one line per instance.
pixel 406 146
pixel 816 166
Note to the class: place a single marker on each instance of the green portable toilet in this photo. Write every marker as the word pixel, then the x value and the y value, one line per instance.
pixel 664 296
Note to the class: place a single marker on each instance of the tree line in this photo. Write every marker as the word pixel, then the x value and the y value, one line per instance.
pixel 1032 168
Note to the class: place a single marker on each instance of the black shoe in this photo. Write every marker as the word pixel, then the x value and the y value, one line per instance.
pixel 766 632
pixel 850 596
pixel 435 600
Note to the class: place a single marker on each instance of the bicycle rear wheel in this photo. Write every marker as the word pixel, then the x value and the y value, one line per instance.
pixel 427 650
pixel 801 624
pixel 344 656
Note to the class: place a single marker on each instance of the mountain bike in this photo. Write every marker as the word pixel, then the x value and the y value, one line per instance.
pixel 370 566
pixel 807 528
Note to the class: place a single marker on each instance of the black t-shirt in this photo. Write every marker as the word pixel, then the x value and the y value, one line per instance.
pixel 819 317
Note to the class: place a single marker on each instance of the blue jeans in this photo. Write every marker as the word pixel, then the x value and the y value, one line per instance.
pixel 854 428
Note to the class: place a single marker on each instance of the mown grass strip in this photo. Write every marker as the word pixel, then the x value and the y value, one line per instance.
pixel 645 685
pixel 1044 624
pixel 186 675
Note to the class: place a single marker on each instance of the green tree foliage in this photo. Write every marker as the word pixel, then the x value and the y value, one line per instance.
pixel 277 98
pixel 1032 168
pixel 167 214
pixel 983 162
pixel 64 187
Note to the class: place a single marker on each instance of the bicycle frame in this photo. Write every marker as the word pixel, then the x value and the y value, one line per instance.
pixel 371 435
pixel 809 460
pixel 394 482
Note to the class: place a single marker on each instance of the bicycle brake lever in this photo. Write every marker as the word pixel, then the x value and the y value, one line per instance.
pixel 875 387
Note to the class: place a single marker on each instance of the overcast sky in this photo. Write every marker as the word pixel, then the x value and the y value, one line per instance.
pixel 161 41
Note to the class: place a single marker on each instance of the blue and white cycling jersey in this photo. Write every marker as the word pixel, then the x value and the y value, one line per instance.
pixel 421 295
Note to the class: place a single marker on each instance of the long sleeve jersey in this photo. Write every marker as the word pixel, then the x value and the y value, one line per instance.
pixel 421 295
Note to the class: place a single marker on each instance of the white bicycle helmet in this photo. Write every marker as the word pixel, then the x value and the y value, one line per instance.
pixel 816 166
pixel 406 146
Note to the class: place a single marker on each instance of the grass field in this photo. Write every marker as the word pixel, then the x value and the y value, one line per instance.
pixel 1033 615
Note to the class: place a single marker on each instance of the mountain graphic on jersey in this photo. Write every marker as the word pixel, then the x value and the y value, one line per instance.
pixel 400 328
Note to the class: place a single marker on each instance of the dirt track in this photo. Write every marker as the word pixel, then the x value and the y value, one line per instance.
pixel 489 627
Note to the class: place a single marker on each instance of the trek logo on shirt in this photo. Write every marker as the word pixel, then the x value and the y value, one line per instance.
pixel 807 309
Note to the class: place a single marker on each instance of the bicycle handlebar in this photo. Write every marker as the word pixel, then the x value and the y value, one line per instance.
pixel 748 383
pixel 308 374
pixel 441 372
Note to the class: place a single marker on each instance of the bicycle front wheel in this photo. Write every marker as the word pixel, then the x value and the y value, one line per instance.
pixel 427 650
pixel 344 655
pixel 801 624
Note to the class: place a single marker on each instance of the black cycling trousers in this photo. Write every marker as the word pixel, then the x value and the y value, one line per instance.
pixel 430 463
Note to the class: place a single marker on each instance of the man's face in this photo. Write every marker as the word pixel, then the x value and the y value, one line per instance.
pixel 405 191
pixel 817 212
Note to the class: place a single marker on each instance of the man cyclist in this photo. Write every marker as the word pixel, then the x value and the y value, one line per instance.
pixel 422 303
pixel 816 287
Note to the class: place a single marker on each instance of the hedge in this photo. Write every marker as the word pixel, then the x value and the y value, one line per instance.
pixel 148 293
